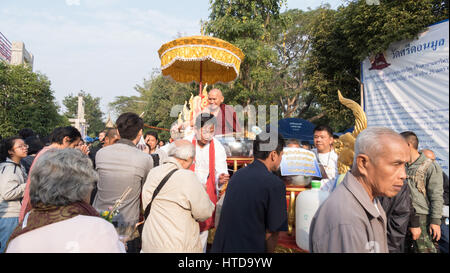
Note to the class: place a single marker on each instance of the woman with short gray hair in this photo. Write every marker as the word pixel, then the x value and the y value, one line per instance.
pixel 61 219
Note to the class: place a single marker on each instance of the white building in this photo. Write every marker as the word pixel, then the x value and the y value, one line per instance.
pixel 19 55
pixel 15 53
pixel 80 122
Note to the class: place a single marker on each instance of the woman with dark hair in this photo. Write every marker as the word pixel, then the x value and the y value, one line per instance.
pixel 161 143
pixel 158 155
pixel 34 147
pixel 12 185
pixel 61 138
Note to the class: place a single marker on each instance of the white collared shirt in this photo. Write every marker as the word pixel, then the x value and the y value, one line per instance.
pixel 329 163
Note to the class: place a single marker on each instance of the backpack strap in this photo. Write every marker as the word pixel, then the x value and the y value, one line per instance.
pixel 155 158
pixel 155 193
pixel 15 166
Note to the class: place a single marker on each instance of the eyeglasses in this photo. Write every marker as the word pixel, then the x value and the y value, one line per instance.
pixel 22 147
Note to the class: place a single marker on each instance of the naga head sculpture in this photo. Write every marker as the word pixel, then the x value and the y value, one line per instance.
pixel 345 146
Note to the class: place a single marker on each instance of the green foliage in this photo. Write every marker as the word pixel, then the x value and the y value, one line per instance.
pixel 157 96
pixel 248 25
pixel 123 104
pixel 26 101
pixel 92 111
pixel 342 39
pixel 294 59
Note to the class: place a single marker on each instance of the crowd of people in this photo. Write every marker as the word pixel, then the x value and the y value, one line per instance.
pixel 54 192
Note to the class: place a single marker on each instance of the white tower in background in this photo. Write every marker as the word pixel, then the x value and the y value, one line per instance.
pixel 80 121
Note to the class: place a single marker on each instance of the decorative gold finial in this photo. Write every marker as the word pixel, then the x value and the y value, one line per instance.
pixel 204 102
pixel 185 111
pixel 109 123
pixel 346 143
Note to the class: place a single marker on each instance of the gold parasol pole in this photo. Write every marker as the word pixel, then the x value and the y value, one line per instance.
pixel 200 82
pixel 201 65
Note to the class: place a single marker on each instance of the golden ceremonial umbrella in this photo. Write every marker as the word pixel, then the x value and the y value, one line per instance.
pixel 200 59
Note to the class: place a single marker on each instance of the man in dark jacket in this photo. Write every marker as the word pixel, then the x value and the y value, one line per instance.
pixel 398 211
pixel 252 222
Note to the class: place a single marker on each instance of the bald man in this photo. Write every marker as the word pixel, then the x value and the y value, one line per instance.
pixel 429 153
pixel 227 121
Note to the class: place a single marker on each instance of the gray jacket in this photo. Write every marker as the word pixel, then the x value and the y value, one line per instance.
pixel 12 186
pixel 349 222
pixel 119 166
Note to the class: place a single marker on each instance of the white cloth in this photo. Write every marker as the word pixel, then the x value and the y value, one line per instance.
pixel 329 163
pixel 202 161
pixel 165 148
pixel 80 234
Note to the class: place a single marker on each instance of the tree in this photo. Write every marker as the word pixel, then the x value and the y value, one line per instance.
pixel 93 113
pixel 276 46
pixel 123 104
pixel 247 25
pixel 293 46
pixel 26 101
pixel 296 59
pixel 157 96
pixel 343 38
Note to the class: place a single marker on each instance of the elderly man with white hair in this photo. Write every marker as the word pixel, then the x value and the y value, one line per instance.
pixel 176 133
pixel 171 225
pixel 352 219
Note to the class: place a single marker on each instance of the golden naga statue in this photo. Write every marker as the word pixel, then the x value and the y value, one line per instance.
pixel 345 146
pixel 196 105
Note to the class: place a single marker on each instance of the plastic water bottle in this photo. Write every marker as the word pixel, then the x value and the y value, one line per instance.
pixel 307 203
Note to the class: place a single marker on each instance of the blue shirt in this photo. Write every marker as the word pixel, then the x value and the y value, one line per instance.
pixel 255 202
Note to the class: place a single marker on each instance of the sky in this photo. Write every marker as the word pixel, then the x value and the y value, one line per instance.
pixel 104 47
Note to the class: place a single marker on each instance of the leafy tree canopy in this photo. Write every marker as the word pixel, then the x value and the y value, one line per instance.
pixel 26 101
pixel 294 59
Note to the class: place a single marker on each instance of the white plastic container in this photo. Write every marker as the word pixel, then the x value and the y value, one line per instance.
pixel 306 205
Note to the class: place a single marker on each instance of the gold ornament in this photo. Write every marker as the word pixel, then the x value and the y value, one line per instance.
pixel 345 146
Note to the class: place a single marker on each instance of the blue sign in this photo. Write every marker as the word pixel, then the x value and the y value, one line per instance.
pixel 296 128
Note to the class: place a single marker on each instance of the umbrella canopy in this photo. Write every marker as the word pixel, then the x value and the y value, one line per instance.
pixel 200 59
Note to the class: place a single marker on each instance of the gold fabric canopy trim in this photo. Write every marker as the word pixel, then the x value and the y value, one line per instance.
pixel 180 59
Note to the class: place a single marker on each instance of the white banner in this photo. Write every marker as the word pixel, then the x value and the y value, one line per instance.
pixel 407 89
